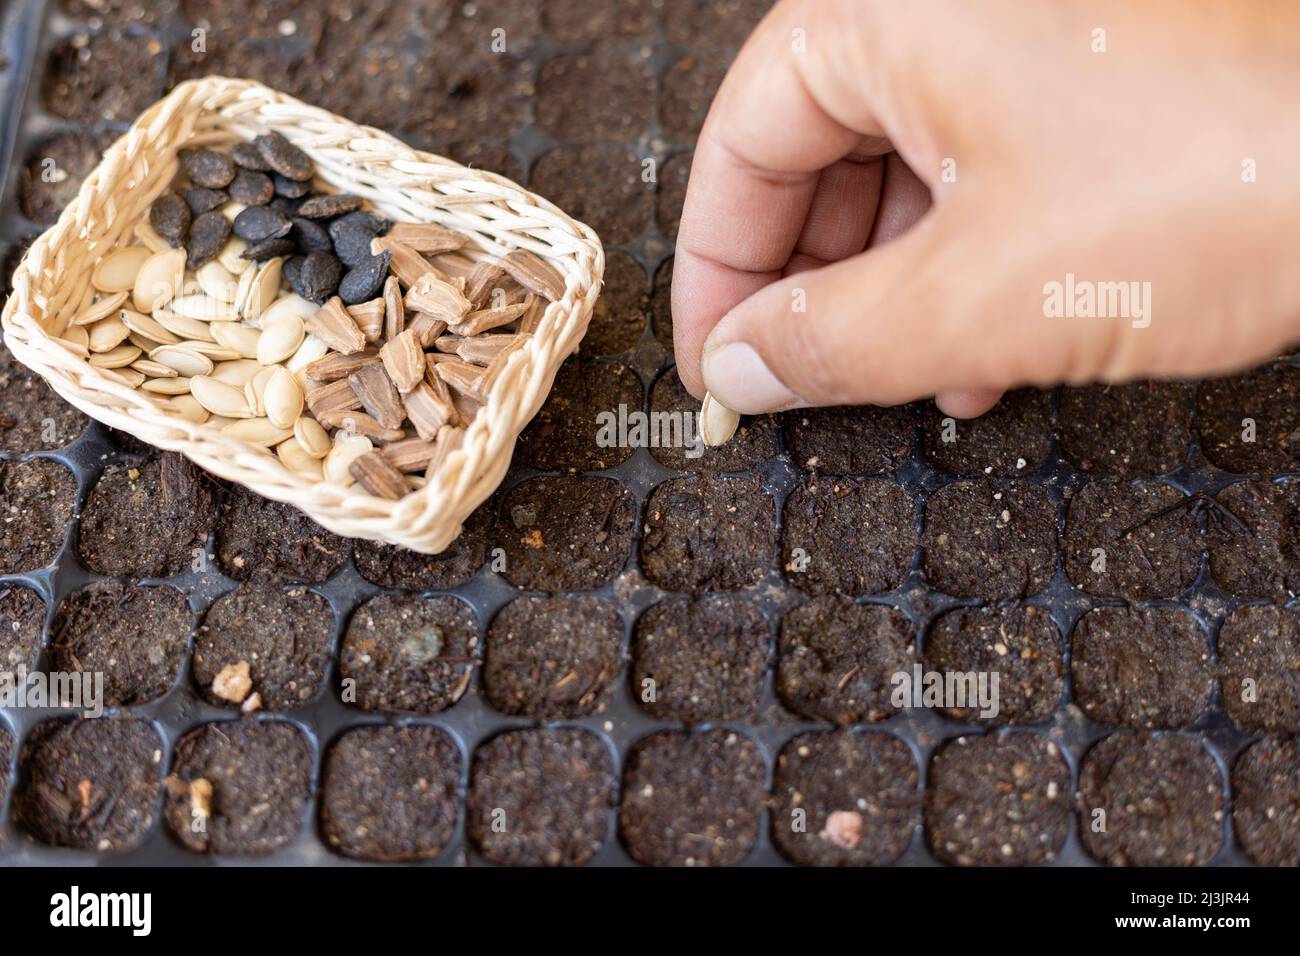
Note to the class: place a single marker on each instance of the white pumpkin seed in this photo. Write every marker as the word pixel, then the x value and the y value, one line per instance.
pixel 255 389
pixel 258 431
pixel 232 209
pixel 717 422
pixel 116 272
pixel 237 372
pixel 266 287
pixel 312 348
pixel 147 327
pixel 185 328
pixel 280 339
pixel 298 460
pixel 218 353
pixel 101 309
pixel 78 338
pixel 291 304
pixel 233 335
pixel 127 376
pixel 219 398
pixel 159 279
pixel 229 257
pixel 185 361
pixel 217 281
pixel 188 407
pixel 150 238
pixel 202 307
pixel 340 458
pixel 119 357
pixel 314 440
pixel 107 334
pixel 283 398
pixel 167 386
pixel 154 369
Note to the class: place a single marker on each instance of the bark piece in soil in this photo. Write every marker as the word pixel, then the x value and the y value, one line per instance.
pixel 1259 668
pixel 32 416
pixel 1125 431
pixel 285 635
pixel 54 172
pixel 408 654
pixel 36 499
pixel 92 784
pixel 135 636
pixel 700 659
pixel 552 658
pixel 622 309
pixel 22 617
pixel 258 536
pixel 103 77
pixel 598 185
pixel 1011 439
pixel 835 659
pixel 1142 556
pixel 566 533
pixel 850 440
pixel 390 566
pixel 260 772
pixel 997 801
pixel 1162 799
pixel 1270 398
pixel 603 96
pixel 846 536
pixel 707 533
pixel 147 519
pixel 989 539
pixel 390 794
pixel 1266 802
pixel 1140 667
pixel 870 775
pixel 753 443
pixel 552 789
pixel 692 798
pixel 1264 563
pixel 570 430
pixel 1018 642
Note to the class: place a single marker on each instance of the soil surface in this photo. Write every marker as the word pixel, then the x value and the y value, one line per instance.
pixel 390 566
pixel 54 171
pixel 671 194
pixel 1125 431
pixel 1011 439
pixel 607 95
pixel 36 502
pixel 257 536
pixel 540 797
pixel 753 443
pixel 715 25
pixel 661 305
pixel 851 440
pixel 390 794
pixel 700 660
pixel 32 416
pixel 1259 667
pixel 104 77
pixel 567 432
pixel 622 309
pixel 1266 802
pixel 1268 396
pixel 22 617
pixel 580 21
pixel 1262 560
pixel 688 89
pixel 618 208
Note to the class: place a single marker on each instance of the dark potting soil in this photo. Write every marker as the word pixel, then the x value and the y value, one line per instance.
pixel 999 800
pixel 107 77
pixel 700 659
pixel 1125 431
pixel 835 659
pixel 661 305
pixel 90 783
pixel 1143 553
pixel 283 633
pixel 847 536
pixel 390 794
pixel 32 416
pixel 120 13
pixel 844 799
pixel 715 25
pixel 135 636
pixel 1263 561
pixel 566 533
pixel 148 519
pixel 1019 642
pixel 54 171
pixel 1259 668
pixel 670 195
pixel 22 617
pixel 257 536
pixel 552 658
pixel 1266 801
pixel 989 539
pixel 260 773
pixel 1012 439
pixel 607 95
pixel 407 653
pixel 850 440
pixel 36 502
pixel 753 443
pixel 599 185
pixel 568 431
pixel 621 311
pixel 706 533
pixel 1150 800
pixel 390 566
pixel 540 797
pixel 688 90
pixel 580 21
pixel 692 798
pixel 1269 442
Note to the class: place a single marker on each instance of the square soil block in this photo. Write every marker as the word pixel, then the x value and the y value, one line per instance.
pixel 700 659
pixel 258 781
pixel 1261 560
pixel 36 501
pixel 540 797
pixel 1011 439
pixel 22 618
pixel 844 536
pixel 989 539
pixel 835 660
pixel 1266 802
pixel 714 25
pixel 408 654
pixel 32 416
pixel 688 89
pixel 390 794
pixel 1118 543
pixel 1250 424
pixel 671 194
pixel 844 799
pixel 1125 431
pixel 707 533
pixel 137 637
pixel 1018 642
pixel 92 783
pixel 283 634
pixel 598 185
pixel 603 96
pixel 54 171
pixel 552 658
pixel 257 536
pixel 621 311
pixel 566 533
pixel 850 440
pixel 692 799
pixel 753 443
pixel 104 77
pixel 997 801
pixel 390 566
pixel 1150 800
pixel 148 519
pixel 1259 665
pixel 1141 667
pixel 568 431
pixel 581 21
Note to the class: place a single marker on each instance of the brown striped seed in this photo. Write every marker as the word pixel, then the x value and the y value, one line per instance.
pixel 409 454
pixel 359 423
pixel 428 410
pixel 394 310
pixel 378 395
pixel 369 317
pixel 403 360
pixel 377 476
pixel 441 299
pixel 334 397
pixel 333 367
pixel 427 237
pixel 336 328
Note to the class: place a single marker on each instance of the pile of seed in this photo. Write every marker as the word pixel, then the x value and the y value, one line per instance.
pixel 359 349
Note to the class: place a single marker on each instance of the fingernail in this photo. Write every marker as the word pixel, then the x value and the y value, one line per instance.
pixel 740 379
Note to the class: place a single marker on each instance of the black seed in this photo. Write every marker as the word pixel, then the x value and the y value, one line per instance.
pixel 320 276
pixel 310 235
pixel 207 168
pixel 375 225
pixel 285 205
pixel 331 204
pixel 267 249
pixel 170 218
pixel 284 157
pixel 352 238
pixel 207 236
pixel 247 155
pixel 201 199
pixel 290 188
pixel 292 273
pixel 261 222
pixel 363 282
pixel 250 188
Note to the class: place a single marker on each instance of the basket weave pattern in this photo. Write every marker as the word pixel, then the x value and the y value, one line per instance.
pixel 52 285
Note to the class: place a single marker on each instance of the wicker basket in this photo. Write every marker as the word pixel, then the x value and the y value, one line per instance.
pixel 52 284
